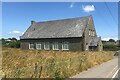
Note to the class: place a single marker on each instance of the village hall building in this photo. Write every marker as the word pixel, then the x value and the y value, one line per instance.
pixel 72 34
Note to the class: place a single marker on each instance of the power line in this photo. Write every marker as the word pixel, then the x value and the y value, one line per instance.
pixel 103 17
pixel 100 14
pixel 110 13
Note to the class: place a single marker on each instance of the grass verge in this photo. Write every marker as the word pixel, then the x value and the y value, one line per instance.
pixel 17 63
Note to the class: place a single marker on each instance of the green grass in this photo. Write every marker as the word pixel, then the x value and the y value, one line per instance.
pixel 19 63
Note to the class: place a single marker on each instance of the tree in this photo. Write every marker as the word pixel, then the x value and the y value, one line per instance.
pixel 111 40
pixel 14 39
pixel 110 47
pixel 17 44
pixel 9 38
pixel 3 41
pixel 13 43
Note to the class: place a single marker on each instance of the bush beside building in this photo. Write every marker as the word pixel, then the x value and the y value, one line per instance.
pixel 111 45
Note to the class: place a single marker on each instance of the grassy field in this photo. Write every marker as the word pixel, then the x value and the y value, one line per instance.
pixel 19 63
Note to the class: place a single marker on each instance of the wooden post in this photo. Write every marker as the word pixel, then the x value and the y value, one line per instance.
pixel 5 77
pixel 35 72
pixel 31 77
pixel 70 62
pixel 40 72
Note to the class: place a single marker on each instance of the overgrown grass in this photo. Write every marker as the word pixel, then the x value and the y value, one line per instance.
pixel 19 63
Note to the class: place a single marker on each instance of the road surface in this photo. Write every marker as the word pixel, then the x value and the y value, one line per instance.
pixel 106 70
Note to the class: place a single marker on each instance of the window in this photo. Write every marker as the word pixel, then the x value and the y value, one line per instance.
pixel 65 46
pixel 93 33
pixel 55 46
pixel 89 32
pixel 38 45
pixel 46 46
pixel 31 46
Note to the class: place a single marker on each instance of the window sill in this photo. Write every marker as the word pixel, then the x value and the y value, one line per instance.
pixel 55 49
pixel 46 49
pixel 65 49
pixel 38 49
pixel 31 48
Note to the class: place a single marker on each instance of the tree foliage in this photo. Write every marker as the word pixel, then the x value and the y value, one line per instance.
pixel 111 47
pixel 111 40
pixel 10 42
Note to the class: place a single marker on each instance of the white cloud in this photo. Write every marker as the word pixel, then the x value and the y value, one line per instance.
pixel 88 8
pixel 107 38
pixel 22 33
pixel 72 5
pixel 15 32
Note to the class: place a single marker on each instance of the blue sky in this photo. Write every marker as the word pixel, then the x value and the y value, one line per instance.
pixel 17 16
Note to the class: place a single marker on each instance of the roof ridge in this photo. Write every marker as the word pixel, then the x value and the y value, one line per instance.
pixel 64 19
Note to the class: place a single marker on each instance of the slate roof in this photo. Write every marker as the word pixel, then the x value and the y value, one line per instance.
pixel 73 27
pixel 94 41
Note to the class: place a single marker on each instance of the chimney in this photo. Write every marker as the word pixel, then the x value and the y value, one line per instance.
pixel 32 22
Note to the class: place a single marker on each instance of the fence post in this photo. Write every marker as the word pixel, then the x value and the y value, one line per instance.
pixel 70 62
pixel 40 72
pixel 17 73
pixel 35 72
pixel 31 77
pixel 5 77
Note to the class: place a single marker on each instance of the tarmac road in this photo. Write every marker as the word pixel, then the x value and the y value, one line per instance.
pixel 106 70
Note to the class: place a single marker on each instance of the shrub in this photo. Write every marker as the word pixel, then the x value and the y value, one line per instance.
pixel 111 47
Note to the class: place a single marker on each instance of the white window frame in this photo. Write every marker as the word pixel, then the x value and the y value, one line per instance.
pixel 39 46
pixel 46 46
pixel 55 46
pixel 30 45
pixel 64 44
